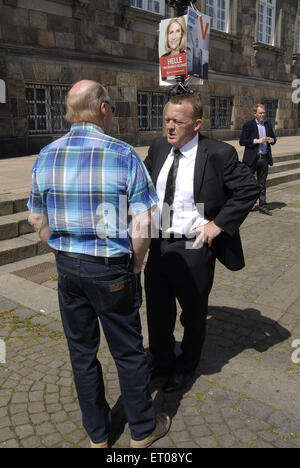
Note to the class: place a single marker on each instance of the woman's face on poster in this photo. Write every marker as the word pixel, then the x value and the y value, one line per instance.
pixel 174 36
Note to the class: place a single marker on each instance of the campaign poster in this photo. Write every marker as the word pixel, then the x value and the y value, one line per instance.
pixel 184 48
pixel 172 47
pixel 197 52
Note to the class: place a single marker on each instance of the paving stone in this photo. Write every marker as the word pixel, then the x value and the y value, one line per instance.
pixel 24 430
pixel 207 442
pixel 38 401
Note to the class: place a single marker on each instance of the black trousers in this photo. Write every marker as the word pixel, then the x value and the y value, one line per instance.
pixel 174 271
pixel 261 168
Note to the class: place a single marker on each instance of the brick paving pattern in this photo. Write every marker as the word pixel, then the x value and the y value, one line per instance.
pixel 246 391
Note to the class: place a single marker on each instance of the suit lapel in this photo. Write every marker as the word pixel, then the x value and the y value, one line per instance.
pixel 200 163
pixel 255 129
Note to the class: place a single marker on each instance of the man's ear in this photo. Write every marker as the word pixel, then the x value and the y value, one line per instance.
pixel 102 108
pixel 198 124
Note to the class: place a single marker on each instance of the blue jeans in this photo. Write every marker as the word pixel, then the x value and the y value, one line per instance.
pixel 88 291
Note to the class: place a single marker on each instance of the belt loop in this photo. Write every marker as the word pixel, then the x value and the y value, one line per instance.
pixel 106 260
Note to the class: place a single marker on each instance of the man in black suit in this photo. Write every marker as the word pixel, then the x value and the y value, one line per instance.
pixel 211 193
pixel 257 137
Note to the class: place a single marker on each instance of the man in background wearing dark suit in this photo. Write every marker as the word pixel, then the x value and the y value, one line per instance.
pixel 210 193
pixel 257 137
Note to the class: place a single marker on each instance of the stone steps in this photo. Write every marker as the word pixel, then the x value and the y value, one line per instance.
pixel 18 241
pixel 18 248
pixel 17 238
pixel 14 225
pixel 283 177
pixel 10 204
pixel 286 168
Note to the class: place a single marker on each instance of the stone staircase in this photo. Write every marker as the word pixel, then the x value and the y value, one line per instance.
pixel 285 169
pixel 17 239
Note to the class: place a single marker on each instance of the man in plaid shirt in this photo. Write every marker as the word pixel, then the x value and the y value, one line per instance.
pixel 81 187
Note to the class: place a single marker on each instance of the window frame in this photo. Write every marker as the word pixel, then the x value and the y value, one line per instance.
pixel 216 115
pixel 50 103
pixel 262 34
pixel 145 6
pixel 150 114
pixel 213 5
pixel 271 106
pixel 298 31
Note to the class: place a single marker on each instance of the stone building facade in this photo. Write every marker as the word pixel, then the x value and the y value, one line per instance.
pixel 46 45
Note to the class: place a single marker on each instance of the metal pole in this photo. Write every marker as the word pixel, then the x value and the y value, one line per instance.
pixel 180 5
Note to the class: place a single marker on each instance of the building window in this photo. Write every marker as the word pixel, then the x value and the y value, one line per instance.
pixel 266 21
pixel 298 32
pixel 155 6
pixel 46 109
pixel 2 92
pixel 150 111
pixel 220 112
pixel 271 110
pixel 218 10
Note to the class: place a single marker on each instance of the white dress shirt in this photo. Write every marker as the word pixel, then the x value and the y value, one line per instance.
pixel 263 147
pixel 186 216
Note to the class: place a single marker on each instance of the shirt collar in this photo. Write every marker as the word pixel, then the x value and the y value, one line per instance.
pixel 260 123
pixel 86 126
pixel 190 148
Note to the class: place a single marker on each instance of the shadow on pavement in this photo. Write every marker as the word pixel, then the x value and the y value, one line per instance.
pixel 272 206
pixel 230 331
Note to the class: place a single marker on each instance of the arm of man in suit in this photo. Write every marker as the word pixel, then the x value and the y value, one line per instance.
pixel 271 138
pixel 242 189
pixel 247 137
pixel 148 159
pixel 206 233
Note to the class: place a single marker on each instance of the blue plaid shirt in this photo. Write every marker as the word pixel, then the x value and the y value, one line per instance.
pixel 87 182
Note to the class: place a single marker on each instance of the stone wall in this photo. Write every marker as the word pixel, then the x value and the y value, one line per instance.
pixel 63 41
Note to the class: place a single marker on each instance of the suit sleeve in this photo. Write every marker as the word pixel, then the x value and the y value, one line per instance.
pixel 242 189
pixel 148 160
pixel 247 137
pixel 272 135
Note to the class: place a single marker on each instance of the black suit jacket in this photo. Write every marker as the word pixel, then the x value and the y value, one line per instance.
pixel 225 187
pixel 249 133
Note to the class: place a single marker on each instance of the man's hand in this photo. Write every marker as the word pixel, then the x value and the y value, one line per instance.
pixel 206 233
pixel 41 226
pixel 262 140
pixel 269 140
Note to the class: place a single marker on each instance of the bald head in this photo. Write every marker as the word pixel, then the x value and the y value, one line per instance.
pixel 84 86
pixel 84 101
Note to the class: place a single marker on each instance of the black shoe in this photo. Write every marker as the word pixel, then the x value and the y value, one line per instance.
pixel 163 367
pixel 159 372
pixel 265 211
pixel 178 381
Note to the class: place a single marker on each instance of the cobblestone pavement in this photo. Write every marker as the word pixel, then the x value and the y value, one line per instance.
pixel 246 391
